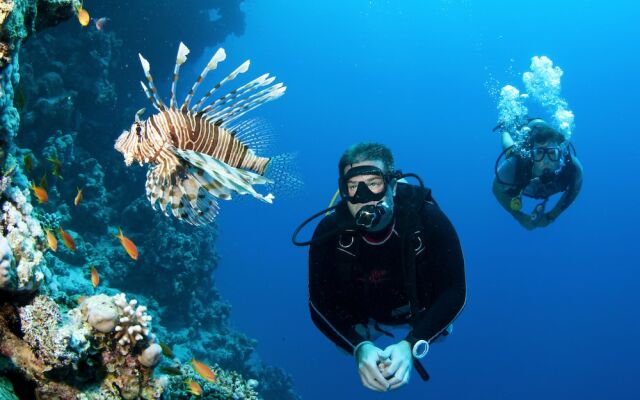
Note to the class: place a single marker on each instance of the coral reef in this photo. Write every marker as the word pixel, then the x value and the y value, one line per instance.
pixel 54 349
pixel 60 110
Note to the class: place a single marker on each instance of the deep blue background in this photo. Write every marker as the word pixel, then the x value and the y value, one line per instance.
pixel 550 313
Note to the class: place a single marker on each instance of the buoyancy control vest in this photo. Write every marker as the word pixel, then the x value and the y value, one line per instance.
pixel 409 202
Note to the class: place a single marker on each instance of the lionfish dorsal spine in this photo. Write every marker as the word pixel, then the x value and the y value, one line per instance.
pixel 238 109
pixel 147 92
pixel 183 51
pixel 217 58
pixel 244 67
pixel 260 81
pixel 146 67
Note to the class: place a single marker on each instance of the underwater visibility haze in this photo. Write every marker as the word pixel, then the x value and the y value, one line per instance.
pixel 103 296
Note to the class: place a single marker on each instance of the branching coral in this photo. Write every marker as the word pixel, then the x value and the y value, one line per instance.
pixel 133 324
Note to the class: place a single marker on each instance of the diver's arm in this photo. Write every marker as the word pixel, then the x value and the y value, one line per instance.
pixel 507 140
pixel 329 316
pixel 570 194
pixel 504 199
pixel 440 276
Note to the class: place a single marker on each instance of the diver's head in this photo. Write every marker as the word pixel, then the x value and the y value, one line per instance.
pixel 548 148
pixel 368 185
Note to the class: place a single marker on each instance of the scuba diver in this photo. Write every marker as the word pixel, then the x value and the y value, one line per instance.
pixel 546 165
pixel 386 257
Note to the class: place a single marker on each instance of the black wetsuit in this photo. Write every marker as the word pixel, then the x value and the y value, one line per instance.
pixel 352 281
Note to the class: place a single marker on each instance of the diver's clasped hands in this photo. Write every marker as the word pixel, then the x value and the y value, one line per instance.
pixel 531 223
pixel 381 370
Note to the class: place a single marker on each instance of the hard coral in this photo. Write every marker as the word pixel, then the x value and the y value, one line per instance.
pixel 133 325
pixel 23 233
pixel 5 9
pixel 40 325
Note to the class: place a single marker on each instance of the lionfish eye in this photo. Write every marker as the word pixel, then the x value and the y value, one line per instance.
pixel 138 130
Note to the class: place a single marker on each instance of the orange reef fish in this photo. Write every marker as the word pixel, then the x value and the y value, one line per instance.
pixel 193 387
pixel 200 153
pixel 56 166
pixel 67 239
pixel 28 163
pixel 52 242
pixel 100 22
pixel 128 245
pixel 203 370
pixel 95 277
pixel 83 15
pixel 81 299
pixel 40 193
pixel 78 198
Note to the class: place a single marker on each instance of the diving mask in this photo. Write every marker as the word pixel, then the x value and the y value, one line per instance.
pixel 372 189
pixel 553 153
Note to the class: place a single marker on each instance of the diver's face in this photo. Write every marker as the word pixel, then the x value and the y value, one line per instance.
pixel 375 183
pixel 546 157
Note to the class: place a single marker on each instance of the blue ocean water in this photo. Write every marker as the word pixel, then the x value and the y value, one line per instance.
pixel 550 313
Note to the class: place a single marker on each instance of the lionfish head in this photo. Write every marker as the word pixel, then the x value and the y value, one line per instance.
pixel 130 142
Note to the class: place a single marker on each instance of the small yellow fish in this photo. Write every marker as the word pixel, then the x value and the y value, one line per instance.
pixel 95 277
pixel 193 387
pixel 52 242
pixel 83 15
pixel 40 193
pixel 56 166
pixel 128 245
pixel 67 239
pixel 203 370
pixel 28 162
pixel 78 198
pixel 166 350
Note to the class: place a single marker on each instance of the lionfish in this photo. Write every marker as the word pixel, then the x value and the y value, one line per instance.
pixel 199 153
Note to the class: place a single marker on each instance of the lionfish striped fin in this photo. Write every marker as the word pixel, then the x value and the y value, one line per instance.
pixel 263 80
pixel 147 92
pixel 254 133
pixel 239 108
pixel 273 95
pixel 184 197
pixel 244 67
pixel 146 68
pixel 236 180
pixel 218 57
pixel 183 51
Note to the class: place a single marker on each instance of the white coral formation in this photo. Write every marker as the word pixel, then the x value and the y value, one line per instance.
pixel 23 232
pixel 6 259
pixel 150 357
pixel 133 325
pixel 101 313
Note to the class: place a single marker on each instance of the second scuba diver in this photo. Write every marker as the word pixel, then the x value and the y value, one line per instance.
pixel 546 165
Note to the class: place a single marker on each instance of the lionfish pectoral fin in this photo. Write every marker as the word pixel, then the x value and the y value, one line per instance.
pixel 224 178
pixel 181 195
